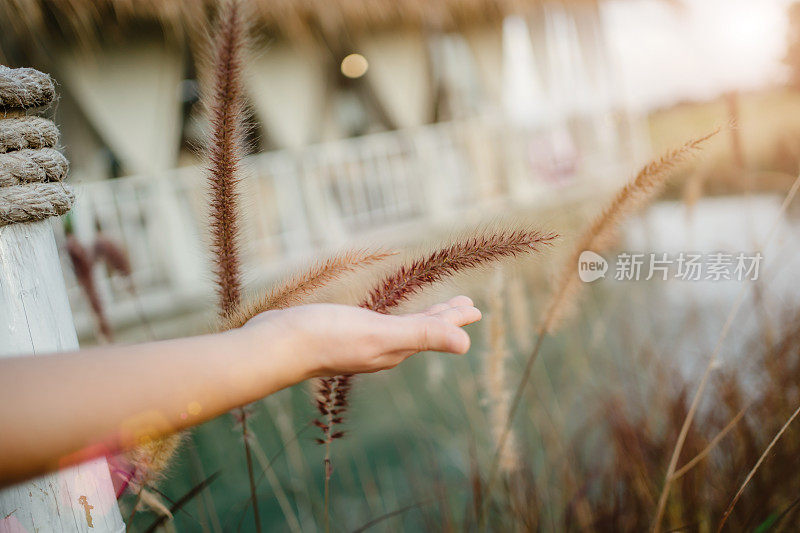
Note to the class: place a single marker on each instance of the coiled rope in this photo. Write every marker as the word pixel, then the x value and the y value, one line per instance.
pixel 21 88
pixel 31 169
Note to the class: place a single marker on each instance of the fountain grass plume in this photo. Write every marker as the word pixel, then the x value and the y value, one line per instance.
pixel 112 254
pixel 150 460
pixel 224 102
pixel 224 105
pixel 474 250
pixel 636 194
pixel 82 261
pixel 494 370
pixel 298 286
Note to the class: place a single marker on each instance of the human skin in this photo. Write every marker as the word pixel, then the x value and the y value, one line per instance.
pixel 57 411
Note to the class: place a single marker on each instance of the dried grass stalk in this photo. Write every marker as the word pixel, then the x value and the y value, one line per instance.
pixel 495 372
pixel 637 193
pixel 519 311
pixel 152 501
pixel 712 362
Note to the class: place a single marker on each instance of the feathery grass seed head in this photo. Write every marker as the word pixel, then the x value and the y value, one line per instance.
pixel 295 288
pixel 636 194
pixel 224 105
pixel 477 249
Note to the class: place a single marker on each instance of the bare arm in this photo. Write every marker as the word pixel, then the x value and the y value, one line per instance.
pixel 60 410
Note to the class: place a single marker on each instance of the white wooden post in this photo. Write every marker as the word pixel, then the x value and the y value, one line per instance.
pixel 35 319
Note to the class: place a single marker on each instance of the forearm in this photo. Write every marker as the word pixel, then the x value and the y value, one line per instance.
pixel 66 408
pixel 129 394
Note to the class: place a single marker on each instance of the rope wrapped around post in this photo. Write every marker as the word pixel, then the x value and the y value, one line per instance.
pixel 21 88
pixel 31 169
pixel 34 305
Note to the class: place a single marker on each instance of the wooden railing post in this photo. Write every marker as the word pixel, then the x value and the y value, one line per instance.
pixel 36 320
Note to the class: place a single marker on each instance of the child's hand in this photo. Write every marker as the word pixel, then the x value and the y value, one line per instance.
pixel 330 339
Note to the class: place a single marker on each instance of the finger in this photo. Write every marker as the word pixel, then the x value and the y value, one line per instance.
pixel 460 316
pixel 461 301
pixel 438 308
pixel 441 336
pixel 434 309
pixel 413 333
pixel 458 301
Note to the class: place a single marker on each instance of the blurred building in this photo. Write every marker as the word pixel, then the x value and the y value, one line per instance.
pixel 368 119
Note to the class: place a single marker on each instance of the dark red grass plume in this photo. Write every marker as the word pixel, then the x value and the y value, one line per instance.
pixel 82 265
pixel 224 103
pixel 112 254
pixel 472 252
pixel 331 403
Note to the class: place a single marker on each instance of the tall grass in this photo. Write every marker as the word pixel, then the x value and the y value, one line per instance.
pixel 224 102
pixel 591 450
pixel 635 195
pixel 601 470
pixel 712 361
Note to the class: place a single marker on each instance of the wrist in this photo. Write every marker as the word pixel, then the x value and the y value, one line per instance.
pixel 279 351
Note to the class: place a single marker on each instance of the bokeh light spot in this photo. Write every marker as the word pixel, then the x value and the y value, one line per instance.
pixel 354 66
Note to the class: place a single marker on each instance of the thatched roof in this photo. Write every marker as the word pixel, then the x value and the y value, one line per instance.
pixel 79 20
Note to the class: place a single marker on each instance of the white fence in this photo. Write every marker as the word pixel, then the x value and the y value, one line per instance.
pixel 295 203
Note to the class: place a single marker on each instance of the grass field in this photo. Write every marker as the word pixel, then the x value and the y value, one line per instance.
pixel 601 415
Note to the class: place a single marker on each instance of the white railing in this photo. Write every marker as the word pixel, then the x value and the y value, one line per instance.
pixel 294 203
